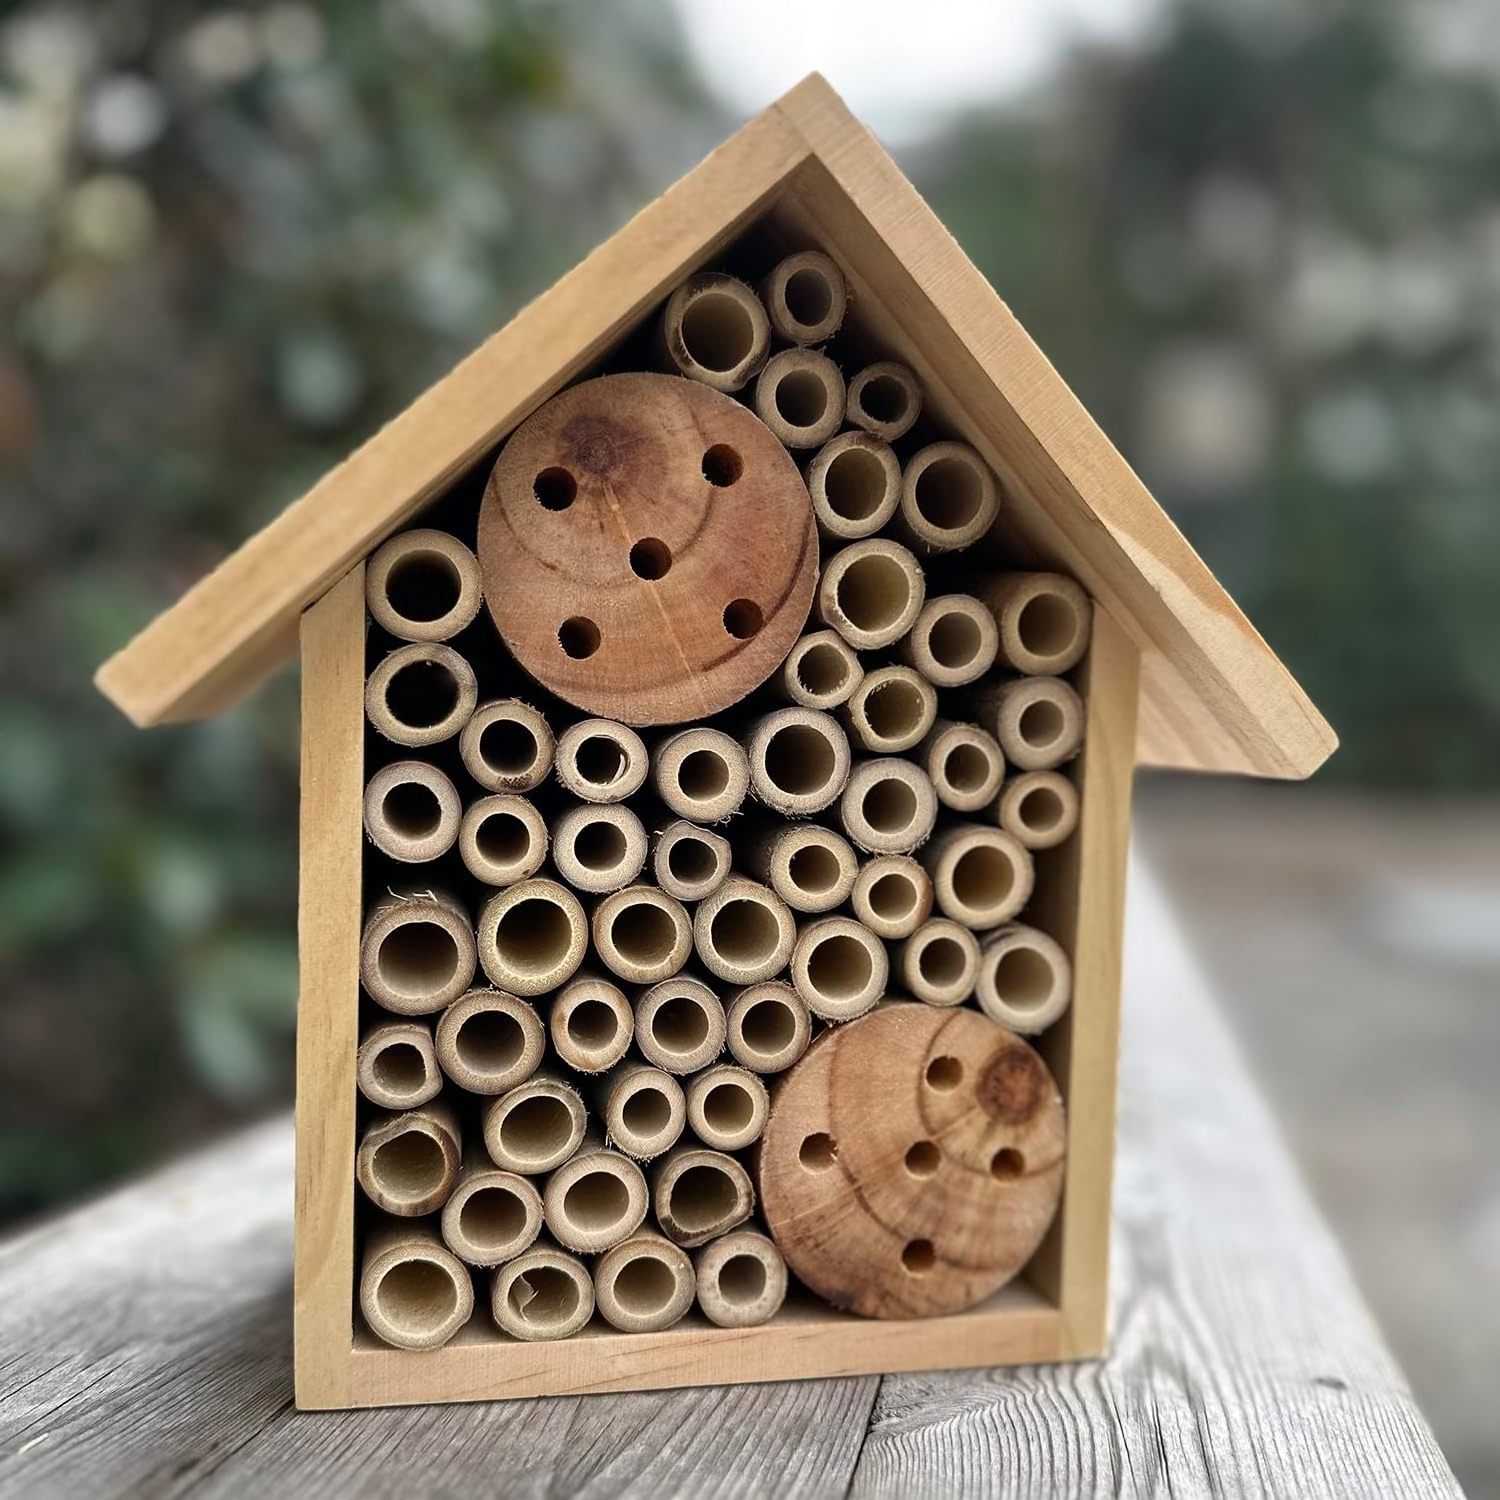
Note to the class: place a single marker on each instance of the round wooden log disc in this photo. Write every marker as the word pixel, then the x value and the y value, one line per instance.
pixel 912 1161
pixel 648 548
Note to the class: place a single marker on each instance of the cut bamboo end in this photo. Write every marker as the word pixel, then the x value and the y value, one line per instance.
pixel 949 497
pixel 700 1194
pixel 642 934
pixel 744 932
pixel 805 297
pixel 727 1107
pixel 940 962
pixel 644 1110
pixel 507 746
pixel 599 848
pixel 800 397
pixel 767 1027
pixel 679 1025
pixel 535 1127
pixel 492 1216
pixel 591 1024
pixel 1025 979
pixel 799 760
pixel 417 952
pixel 423 586
pixel 716 331
pixel 599 760
pixel 1044 621
pixel 965 765
pixel 1038 721
pixel 871 592
pixel 489 1041
pixel 413 1291
pixel 741 1280
pixel 885 399
pixel 701 774
pixel 595 1199
pixel 855 484
pixel 412 811
pixel 543 1294
pixel 644 1285
pixel 821 671
pixel 396 1067
pixel 888 807
pixel 839 968
pixel 810 867
pixel 892 895
pixel 689 862
pixel 981 876
pixel 891 710
pixel 532 936
pixel 1039 809
pixel 955 641
pixel 407 1163
pixel 421 694
pixel 502 839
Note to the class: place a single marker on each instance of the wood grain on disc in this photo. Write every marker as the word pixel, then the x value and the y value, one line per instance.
pixel 913 1161
pixel 648 548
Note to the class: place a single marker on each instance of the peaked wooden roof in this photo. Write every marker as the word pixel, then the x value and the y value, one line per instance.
pixel 1214 696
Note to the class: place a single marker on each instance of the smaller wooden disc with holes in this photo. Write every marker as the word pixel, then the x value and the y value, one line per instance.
pixel 912 1161
pixel 648 548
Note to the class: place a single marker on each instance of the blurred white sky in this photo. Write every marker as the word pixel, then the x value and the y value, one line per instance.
pixel 902 65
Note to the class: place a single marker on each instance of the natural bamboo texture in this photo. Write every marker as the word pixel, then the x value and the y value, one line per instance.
pixel 949 498
pixel 839 968
pixel 885 399
pixel 744 932
pixel 699 1194
pixel 641 934
pixel 821 671
pixel 413 1291
pixel 800 397
pixel 421 694
pixel 412 811
pixel 799 761
pixel 810 867
pixel 767 1027
pixel 741 1279
pixel 1039 809
pixel 714 329
pixel 939 962
pixel 502 839
pixel 701 774
pixel 679 1025
pixel 492 1215
pixel 965 765
pixel 488 1042
pixel 407 1163
pixel 543 1294
pixel 397 1067
pixel 954 641
pixel 591 1024
pixel 644 1284
pixel 805 297
pixel 643 1108
pixel 598 760
pixel 536 1126
pixel 892 895
pixel 1043 620
pixel 889 806
pixel 854 481
pixel 532 936
pixel 1038 721
pixel 507 746
pixel 871 592
pixel 891 710
pixel 599 848
pixel 423 585
pixel 417 952
pixel 727 1107
pixel 1025 979
pixel 690 862
pixel 980 876
pixel 597 1198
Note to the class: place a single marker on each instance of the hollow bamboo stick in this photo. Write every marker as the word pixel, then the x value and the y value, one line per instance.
pixel 1038 721
pixel 600 760
pixel 1025 980
pixel 690 863
pixel 891 710
pixel 407 1163
pixel 591 1024
pixel 644 1284
pixel 643 1108
pixel 981 876
pixel 1039 809
pixel 699 1194
pixel 854 481
pixel 799 760
pixel 642 934
pixel 701 774
pixel 423 585
pixel 416 952
pixel 799 395
pixel 954 641
pixel 741 1279
pixel 767 1027
pixel 714 329
pixel 396 1067
pixel 949 498
pixel 679 1025
pixel 888 807
pixel 413 1291
pixel 532 936
pixel 488 1042
pixel 502 839
pixel 411 811
pixel 599 848
pixel 492 1215
pixel 821 671
pixel 871 592
pixel 507 746
pixel 892 895
pixel 744 932
pixel 939 962
pixel 965 765
pixel 542 1294
pixel 536 1126
pixel 421 694
pixel 1044 621
pixel 805 297
pixel 839 968
pixel 727 1107
pixel 597 1198
pixel 810 867
pixel 885 400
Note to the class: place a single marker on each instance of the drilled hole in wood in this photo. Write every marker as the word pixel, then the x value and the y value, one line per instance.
pixel 818 1152
pixel 722 466
pixel 1007 1164
pixel 579 638
pixel 743 619
pixel 945 1072
pixel 1046 624
pixel 650 558
pixel 411 809
pixel 883 399
pixel 422 586
pixel 923 1159
pixel 918 1257
pixel 555 489
pixel 421 694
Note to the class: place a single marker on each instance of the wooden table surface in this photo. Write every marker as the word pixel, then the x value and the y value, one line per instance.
pixel 145 1343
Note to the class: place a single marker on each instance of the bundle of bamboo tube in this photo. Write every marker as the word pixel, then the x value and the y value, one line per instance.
pixel 588 953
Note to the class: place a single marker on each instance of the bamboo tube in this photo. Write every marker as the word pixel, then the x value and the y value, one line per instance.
pixel 810 867
pixel 507 746
pixel 407 1163
pixel 940 962
pixel 727 1107
pixel 643 1108
pixel 598 760
pixel 964 764
pixel 417 952
pixel 800 397
pixel 799 760
pixel 949 498
pixel 591 1024
pixel 701 774
pixel 700 1194
pixel 839 968
pixel 1039 809
pixel 892 895
pixel 642 934
pixel 421 694
pixel 821 671
pixel 679 1025
pixel 885 399
pixel 741 1279
pixel 767 1027
pixel 396 1066
pixel 411 811
pixel 535 1127
pixel 715 330
pixel 1038 721
pixel 689 862
pixel 532 936
pixel 854 481
pixel 981 876
pixel 599 848
pixel 891 710
pixel 644 1284
pixel 1025 979
pixel 413 1291
pixel 489 1041
pixel 805 297
pixel 1044 621
pixel 871 592
pixel 502 839
pixel 743 932
pixel 954 641
pixel 541 1295
pixel 888 807
pixel 492 1216
pixel 595 1199
pixel 423 585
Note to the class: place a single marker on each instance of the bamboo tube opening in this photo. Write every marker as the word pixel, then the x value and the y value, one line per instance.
pixel 423 586
pixel 767 1027
pixel 716 331
pixel 799 760
pixel 407 1163
pixel 701 774
pixel 599 760
pixel 1038 721
pixel 691 863
pixel 854 481
pixel 416 953
pixel 743 932
pixel 891 710
pixel 489 1042
pixel 1039 809
pixel 491 1216
pixel 1025 979
pixel 591 1024
pixel 821 671
pixel 642 934
pixel 412 811
pixel 839 968
pixel 810 867
pixel 644 1110
pixel 532 936
pixel 595 1200
pixel 502 839
pixel 940 962
pixel 599 848
pixel 806 297
pixel 536 1126
pixel 414 1292
pixel 507 746
pixel 1044 620
pixel 885 400
pixel 964 764
pixel 679 1025
pixel 888 807
pixel 871 593
pixel 954 641
pixel 421 694
pixel 644 1285
pixel 892 895
pixel 800 397
pixel 699 1194
pixel 949 498
pixel 727 1108
pixel 543 1294
pixel 396 1066
pixel 741 1280
pixel 980 876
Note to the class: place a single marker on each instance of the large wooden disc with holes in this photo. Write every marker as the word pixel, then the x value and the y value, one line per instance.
pixel 912 1161
pixel 648 548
